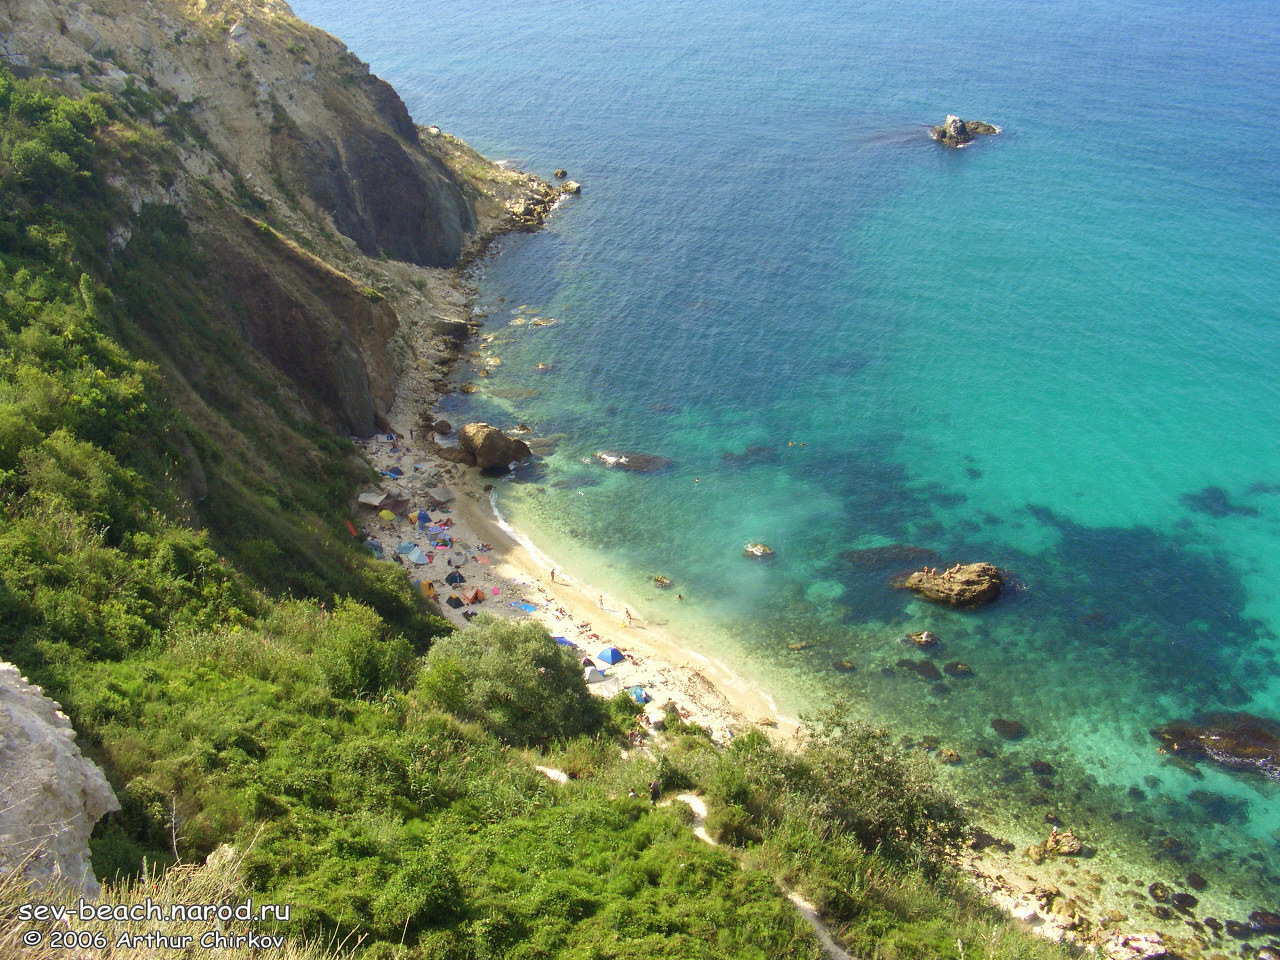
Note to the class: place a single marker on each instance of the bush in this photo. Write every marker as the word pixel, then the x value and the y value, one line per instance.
pixel 513 678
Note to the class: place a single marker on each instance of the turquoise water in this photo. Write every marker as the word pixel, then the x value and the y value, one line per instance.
pixel 1041 351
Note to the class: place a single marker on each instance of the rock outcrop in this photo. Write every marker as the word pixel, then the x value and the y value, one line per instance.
pixel 955 132
pixel 489 448
pixel 50 795
pixel 1237 741
pixel 964 585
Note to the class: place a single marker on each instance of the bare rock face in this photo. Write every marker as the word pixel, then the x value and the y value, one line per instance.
pixel 50 795
pixel 965 585
pixel 1134 946
pixel 488 447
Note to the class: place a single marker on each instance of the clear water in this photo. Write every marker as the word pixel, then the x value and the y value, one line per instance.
pixel 1037 351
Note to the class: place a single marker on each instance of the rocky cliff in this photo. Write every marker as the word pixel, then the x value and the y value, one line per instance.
pixel 318 210
pixel 50 795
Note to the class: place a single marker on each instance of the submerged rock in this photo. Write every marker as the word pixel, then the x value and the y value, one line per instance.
pixel 758 551
pixel 955 132
pixel 1237 741
pixel 964 585
pixel 924 669
pixel 1009 729
pixel 844 666
pixel 749 457
pixel 634 462
pixel 958 670
pixel 488 447
pixel 923 638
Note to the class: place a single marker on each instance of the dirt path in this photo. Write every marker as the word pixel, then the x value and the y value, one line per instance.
pixel 832 949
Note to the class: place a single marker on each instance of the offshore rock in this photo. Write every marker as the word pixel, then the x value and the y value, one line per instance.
pixel 955 132
pixel 969 585
pixel 635 462
pixel 1237 741
pixel 51 796
pixel 489 448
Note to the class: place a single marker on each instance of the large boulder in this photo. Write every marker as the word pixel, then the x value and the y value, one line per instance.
pixel 489 448
pixel 1237 741
pixel 50 795
pixel 955 132
pixel 964 585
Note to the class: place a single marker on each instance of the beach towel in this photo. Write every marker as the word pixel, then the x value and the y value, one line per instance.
pixel 495 591
pixel 523 605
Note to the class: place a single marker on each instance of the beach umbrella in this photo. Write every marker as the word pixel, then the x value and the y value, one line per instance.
pixel 612 655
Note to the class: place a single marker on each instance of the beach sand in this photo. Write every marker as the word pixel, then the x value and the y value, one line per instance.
pixel 510 571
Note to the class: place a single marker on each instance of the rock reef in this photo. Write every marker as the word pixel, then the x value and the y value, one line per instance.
pixel 1237 741
pixel 489 448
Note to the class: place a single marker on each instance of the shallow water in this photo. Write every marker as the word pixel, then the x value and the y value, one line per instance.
pixel 1055 350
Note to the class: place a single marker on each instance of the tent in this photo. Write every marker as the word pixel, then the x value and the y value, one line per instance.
pixel 396 472
pixel 473 595
pixel 592 675
pixel 394 504
pixel 562 641
pixel 418 557
pixel 454 601
pixel 374 547
pixel 428 588
pixel 386 515
pixel 406 548
pixel 455 578
pixel 588 662
pixel 639 696
pixel 612 655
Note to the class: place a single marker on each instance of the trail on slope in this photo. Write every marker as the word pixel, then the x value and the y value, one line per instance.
pixel 833 950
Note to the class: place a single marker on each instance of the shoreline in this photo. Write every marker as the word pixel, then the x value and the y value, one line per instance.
pixel 513 569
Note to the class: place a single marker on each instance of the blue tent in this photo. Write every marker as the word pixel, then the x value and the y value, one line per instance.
pixel 612 655
pixel 639 696
pixel 563 642
pixel 374 547
pixel 406 548
pixel 418 557
pixel 396 472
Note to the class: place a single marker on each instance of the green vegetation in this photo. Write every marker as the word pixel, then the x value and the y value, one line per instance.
pixel 173 569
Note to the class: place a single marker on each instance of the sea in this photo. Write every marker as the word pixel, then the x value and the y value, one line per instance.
pixel 1056 350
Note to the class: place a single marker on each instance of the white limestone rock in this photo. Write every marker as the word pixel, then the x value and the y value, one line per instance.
pixel 50 795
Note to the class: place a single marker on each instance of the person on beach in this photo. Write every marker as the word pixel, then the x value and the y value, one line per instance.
pixel 553 574
pixel 632 793
pixel 654 793
pixel 628 615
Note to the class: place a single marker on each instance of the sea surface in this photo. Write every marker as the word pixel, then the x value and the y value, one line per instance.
pixel 1057 350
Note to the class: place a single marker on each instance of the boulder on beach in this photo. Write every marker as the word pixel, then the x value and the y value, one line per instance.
pixel 955 132
pixel 635 462
pixel 1237 741
pixel 964 585
pixel 488 447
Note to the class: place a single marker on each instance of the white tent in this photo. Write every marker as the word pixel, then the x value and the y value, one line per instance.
pixel 593 675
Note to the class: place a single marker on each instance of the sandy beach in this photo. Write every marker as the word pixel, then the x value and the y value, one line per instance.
pixel 514 581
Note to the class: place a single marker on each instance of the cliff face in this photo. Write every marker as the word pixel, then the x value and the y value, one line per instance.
pixel 267 117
